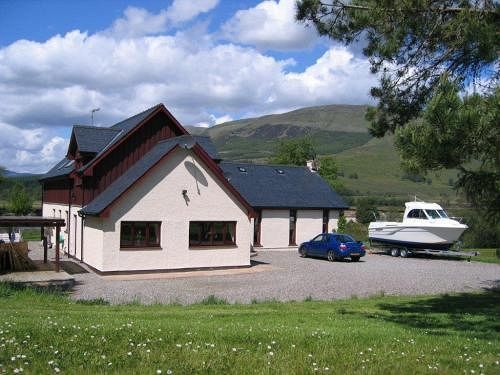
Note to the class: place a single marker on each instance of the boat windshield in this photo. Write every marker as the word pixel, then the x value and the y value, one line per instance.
pixel 442 214
pixel 433 214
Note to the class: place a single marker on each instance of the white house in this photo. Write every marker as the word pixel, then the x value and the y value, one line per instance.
pixel 144 195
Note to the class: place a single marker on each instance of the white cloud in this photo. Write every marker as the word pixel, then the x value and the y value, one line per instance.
pixel 185 10
pixel 139 22
pixel 44 85
pixel 33 151
pixel 270 25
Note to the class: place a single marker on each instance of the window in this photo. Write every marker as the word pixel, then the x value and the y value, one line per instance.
pixel 319 238
pixel 293 219
pixel 416 214
pixel 212 233
pixel 433 214
pixel 443 214
pixel 257 229
pixel 325 221
pixel 140 234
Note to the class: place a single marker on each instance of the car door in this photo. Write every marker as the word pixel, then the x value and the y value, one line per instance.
pixel 315 245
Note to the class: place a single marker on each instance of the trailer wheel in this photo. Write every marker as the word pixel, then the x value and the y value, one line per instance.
pixel 395 252
pixel 404 253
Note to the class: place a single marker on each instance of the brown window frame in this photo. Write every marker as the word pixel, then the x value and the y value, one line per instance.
pixel 326 217
pixel 147 244
pixel 257 229
pixel 292 235
pixel 211 242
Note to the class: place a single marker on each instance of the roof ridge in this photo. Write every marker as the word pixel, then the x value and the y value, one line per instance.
pixel 136 115
pixel 265 165
pixel 95 127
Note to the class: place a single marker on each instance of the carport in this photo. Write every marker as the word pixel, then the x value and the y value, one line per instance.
pixel 36 222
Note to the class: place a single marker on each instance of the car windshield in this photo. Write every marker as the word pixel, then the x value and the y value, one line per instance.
pixel 433 214
pixel 443 214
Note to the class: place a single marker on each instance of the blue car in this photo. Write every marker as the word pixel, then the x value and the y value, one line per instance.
pixel 333 246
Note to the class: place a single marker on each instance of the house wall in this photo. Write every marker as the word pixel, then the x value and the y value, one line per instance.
pixel 309 224
pixel 158 197
pixel 275 226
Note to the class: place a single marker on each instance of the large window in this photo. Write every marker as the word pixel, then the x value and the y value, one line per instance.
pixel 212 233
pixel 140 234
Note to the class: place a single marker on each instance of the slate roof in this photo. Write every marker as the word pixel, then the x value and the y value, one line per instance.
pixel 121 184
pixel 124 127
pixel 93 138
pixel 63 168
pixel 271 186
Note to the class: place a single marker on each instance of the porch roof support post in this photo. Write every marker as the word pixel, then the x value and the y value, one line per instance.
pixel 58 233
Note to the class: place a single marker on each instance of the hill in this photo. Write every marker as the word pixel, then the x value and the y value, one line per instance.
pixel 368 166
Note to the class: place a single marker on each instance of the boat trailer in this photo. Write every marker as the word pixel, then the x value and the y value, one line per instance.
pixel 405 252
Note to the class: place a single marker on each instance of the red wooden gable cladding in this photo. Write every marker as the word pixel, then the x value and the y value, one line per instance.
pixel 81 189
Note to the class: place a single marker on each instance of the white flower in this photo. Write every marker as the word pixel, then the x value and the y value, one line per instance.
pixel 234 349
pixel 158 371
pixel 56 369
pixel 129 353
pixel 271 353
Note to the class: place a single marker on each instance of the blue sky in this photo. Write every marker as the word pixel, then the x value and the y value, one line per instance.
pixel 208 61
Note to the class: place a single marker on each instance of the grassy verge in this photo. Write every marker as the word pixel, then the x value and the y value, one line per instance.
pixel 437 334
pixel 31 234
pixel 488 256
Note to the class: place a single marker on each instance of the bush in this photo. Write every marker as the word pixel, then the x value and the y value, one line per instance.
pixel 341 225
pixel 366 210
pixel 356 230
pixel 481 233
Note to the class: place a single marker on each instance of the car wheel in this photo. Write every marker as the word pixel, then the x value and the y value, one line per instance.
pixel 302 252
pixel 330 255
pixel 355 258
pixel 404 253
pixel 395 252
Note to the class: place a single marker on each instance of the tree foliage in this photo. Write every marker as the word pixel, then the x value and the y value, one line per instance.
pixel 294 152
pixel 366 210
pixel 458 132
pixel 20 202
pixel 342 223
pixel 328 169
pixel 419 49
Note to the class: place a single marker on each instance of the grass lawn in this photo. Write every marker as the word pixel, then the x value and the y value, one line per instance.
pixel 48 333
pixel 487 256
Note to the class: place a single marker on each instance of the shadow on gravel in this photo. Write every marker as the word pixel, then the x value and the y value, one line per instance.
pixel 448 314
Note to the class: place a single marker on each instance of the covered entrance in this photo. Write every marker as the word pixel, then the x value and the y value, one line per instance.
pixel 11 222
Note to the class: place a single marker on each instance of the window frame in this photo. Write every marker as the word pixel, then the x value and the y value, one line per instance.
pixel 212 243
pixel 147 244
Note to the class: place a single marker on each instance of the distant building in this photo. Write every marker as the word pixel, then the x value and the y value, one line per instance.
pixel 144 195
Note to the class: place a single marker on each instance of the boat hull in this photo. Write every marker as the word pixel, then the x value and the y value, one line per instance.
pixel 412 236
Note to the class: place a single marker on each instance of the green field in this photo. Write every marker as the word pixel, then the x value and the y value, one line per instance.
pixel 446 334
pixel 488 256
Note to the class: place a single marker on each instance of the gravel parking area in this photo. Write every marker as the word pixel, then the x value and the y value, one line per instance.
pixel 285 276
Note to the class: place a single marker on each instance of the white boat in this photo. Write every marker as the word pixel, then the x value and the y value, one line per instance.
pixel 424 226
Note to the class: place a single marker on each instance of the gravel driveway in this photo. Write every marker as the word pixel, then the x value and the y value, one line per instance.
pixel 289 277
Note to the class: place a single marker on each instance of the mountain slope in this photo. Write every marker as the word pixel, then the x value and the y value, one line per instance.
pixel 332 128
pixel 368 166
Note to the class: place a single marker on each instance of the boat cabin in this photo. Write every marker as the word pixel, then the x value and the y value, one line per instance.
pixel 423 211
